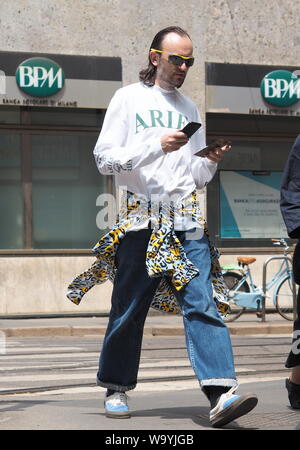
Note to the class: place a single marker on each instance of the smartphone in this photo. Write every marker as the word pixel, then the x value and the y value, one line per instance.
pixel 220 142
pixel 204 152
pixel 191 128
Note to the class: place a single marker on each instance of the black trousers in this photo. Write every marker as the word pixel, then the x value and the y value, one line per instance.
pixel 294 355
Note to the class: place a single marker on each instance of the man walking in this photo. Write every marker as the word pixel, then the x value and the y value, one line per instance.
pixel 160 237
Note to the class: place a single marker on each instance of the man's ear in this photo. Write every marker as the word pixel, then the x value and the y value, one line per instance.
pixel 154 57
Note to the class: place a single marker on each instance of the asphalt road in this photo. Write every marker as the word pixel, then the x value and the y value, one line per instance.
pixel 49 384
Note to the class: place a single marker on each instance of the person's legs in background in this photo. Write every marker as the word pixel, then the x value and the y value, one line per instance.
pixel 293 360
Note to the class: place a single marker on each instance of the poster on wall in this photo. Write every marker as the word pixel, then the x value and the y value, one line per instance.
pixel 249 203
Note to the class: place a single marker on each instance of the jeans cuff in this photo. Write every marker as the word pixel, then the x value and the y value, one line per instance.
pixel 115 387
pixel 218 382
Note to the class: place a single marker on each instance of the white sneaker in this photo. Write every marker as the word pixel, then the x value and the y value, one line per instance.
pixel 231 406
pixel 116 406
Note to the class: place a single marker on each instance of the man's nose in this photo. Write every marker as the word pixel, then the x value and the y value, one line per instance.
pixel 184 67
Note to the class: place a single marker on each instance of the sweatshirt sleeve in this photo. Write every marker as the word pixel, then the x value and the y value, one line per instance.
pixel 112 154
pixel 203 170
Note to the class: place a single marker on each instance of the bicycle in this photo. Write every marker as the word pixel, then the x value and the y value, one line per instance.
pixel 244 294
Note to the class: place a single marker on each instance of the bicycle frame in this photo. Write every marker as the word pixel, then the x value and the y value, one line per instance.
pixel 283 270
pixel 258 295
pixel 250 299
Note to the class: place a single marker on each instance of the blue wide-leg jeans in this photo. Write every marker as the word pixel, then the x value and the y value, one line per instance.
pixel 207 337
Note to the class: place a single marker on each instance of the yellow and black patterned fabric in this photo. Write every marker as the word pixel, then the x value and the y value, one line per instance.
pixel 165 256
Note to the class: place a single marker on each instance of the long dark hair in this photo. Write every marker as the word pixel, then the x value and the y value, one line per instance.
pixel 147 76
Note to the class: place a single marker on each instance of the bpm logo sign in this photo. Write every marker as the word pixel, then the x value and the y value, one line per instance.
pixel 281 88
pixel 40 77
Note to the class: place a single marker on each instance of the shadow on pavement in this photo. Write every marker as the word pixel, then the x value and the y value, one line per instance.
pixel 199 415
pixel 19 405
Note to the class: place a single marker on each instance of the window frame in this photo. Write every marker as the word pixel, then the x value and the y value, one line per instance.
pixel 236 245
pixel 25 129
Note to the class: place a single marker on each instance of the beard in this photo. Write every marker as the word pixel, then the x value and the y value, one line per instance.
pixel 170 78
pixel 179 84
pixel 179 80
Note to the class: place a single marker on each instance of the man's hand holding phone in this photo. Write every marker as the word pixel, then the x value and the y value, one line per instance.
pixel 173 141
pixel 215 151
pixel 176 139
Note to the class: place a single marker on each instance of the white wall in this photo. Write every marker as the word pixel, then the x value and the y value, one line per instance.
pixel 236 31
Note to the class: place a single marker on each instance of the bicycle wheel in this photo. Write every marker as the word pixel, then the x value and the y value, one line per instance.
pixel 231 280
pixel 284 298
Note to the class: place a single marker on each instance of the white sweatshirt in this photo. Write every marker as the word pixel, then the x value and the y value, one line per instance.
pixel 129 146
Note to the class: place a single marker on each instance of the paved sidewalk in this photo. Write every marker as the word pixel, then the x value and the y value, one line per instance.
pixel 168 410
pixel 156 325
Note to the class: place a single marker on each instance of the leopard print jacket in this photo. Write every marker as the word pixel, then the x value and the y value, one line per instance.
pixel 165 256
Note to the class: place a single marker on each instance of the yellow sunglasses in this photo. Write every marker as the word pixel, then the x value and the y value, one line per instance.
pixel 175 59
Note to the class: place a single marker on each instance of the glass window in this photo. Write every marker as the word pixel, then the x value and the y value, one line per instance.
pixel 249 203
pixel 256 155
pixel 11 203
pixel 243 198
pixel 49 182
pixel 66 184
